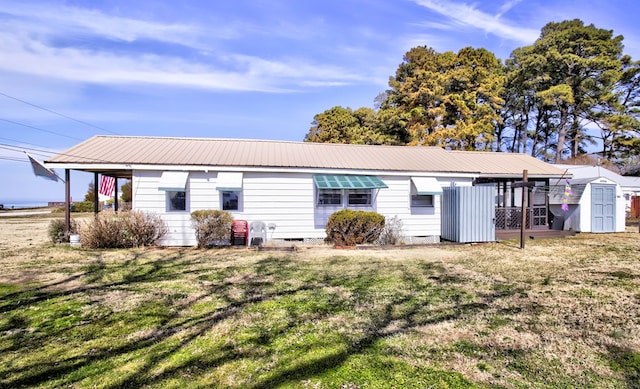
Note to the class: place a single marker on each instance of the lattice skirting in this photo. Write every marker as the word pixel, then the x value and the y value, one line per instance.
pixel 421 239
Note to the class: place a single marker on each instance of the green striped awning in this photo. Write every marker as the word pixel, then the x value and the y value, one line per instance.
pixel 348 182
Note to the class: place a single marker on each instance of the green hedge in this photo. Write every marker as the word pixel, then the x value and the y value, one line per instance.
pixel 82 206
pixel 348 227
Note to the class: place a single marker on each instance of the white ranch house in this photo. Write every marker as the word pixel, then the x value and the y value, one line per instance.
pixel 293 187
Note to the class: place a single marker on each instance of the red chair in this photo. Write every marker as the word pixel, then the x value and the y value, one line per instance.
pixel 239 233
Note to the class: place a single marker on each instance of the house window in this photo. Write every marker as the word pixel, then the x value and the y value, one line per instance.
pixel 177 200
pixel 359 197
pixel 329 197
pixel 421 200
pixel 422 191
pixel 230 200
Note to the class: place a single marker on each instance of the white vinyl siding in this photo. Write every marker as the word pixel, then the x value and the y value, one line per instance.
pixel 286 200
pixel 396 201
pixel 148 197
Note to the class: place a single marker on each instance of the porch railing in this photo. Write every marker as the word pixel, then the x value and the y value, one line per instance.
pixel 510 218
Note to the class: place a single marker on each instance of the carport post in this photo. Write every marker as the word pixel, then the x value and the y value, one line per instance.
pixel 96 199
pixel 525 178
pixel 67 203
pixel 115 194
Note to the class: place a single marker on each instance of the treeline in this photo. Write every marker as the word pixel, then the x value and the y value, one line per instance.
pixel 572 89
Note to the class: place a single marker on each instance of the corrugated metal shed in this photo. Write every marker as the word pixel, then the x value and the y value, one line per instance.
pixel 468 214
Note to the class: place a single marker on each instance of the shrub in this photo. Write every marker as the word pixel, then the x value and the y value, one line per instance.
pixel 143 229
pixel 348 227
pixel 57 233
pixel 123 229
pixel 391 233
pixel 82 206
pixel 213 227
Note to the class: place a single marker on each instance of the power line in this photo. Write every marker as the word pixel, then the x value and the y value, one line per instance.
pixel 13 159
pixel 17 149
pixel 40 129
pixel 59 114
pixel 19 141
pixel 47 153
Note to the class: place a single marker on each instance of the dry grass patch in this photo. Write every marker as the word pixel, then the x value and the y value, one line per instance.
pixel 562 313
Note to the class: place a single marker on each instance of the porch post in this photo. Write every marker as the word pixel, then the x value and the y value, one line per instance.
pixel 96 189
pixel 115 194
pixel 525 190
pixel 67 203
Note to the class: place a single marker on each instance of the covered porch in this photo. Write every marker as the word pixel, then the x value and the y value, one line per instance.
pixel 538 219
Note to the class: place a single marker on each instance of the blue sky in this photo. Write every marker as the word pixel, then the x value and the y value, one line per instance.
pixel 258 69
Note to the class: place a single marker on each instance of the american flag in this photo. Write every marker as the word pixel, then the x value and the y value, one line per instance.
pixel 107 186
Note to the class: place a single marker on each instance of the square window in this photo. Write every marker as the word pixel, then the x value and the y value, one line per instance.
pixel 360 197
pixel 230 200
pixel 329 197
pixel 177 200
pixel 422 200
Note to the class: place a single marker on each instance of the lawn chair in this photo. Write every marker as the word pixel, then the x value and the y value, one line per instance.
pixel 257 233
pixel 239 233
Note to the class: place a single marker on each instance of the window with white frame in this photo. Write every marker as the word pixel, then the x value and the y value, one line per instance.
pixel 329 196
pixel 230 200
pixel 176 200
pixel 174 184
pixel 229 184
pixel 359 197
pixel 421 200
pixel 423 190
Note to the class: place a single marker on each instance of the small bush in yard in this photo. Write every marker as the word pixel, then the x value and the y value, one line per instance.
pixel 391 232
pixel 143 229
pixel 56 230
pixel 212 227
pixel 123 229
pixel 348 227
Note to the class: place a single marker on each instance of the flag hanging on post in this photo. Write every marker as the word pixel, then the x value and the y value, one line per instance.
pixel 107 186
pixel 42 171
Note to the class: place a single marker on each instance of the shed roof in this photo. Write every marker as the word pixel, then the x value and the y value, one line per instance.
pixel 131 150
pixel 586 171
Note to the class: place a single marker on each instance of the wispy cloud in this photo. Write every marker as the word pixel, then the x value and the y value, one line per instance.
pixel 47 20
pixel 469 16
pixel 30 45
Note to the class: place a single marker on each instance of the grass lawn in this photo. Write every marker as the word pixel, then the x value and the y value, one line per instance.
pixel 562 313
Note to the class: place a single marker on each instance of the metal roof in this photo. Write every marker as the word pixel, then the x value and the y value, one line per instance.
pixel 100 151
pixel 490 164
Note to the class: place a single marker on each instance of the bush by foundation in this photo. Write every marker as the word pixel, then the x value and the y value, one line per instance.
pixel 348 227
pixel 212 227
pixel 122 230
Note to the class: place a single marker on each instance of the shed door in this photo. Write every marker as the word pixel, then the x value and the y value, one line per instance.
pixel 603 208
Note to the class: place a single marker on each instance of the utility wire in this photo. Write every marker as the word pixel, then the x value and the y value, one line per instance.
pixel 13 159
pixel 19 141
pixel 16 149
pixel 39 129
pixel 59 114
pixel 47 152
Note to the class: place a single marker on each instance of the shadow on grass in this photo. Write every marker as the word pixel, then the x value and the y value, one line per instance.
pixel 390 298
pixel 625 362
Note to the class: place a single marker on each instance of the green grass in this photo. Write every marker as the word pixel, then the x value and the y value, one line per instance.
pixel 423 318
